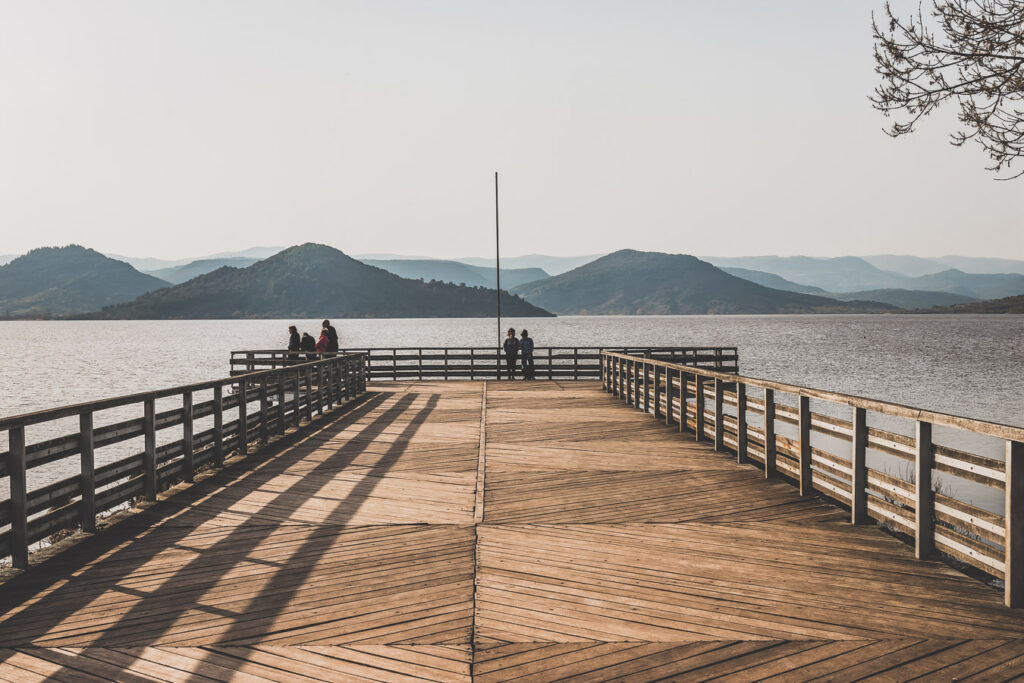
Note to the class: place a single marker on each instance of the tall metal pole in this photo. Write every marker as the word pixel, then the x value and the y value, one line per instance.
pixel 497 267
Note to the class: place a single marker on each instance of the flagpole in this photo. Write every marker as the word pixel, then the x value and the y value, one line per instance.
pixel 497 268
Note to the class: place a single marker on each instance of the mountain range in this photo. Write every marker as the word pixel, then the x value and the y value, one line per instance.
pixel 630 282
pixel 75 280
pixel 310 281
pixel 61 280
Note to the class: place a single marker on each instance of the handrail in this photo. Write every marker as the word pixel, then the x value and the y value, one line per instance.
pixel 34 514
pixel 982 539
pixel 477 363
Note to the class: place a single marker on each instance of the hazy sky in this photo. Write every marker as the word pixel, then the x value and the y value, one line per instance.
pixel 722 127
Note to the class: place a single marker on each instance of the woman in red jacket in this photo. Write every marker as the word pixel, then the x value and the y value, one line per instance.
pixel 322 343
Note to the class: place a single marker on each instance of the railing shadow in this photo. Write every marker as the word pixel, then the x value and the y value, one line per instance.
pixel 100 564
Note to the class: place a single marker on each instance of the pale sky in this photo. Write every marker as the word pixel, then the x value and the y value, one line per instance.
pixel 728 127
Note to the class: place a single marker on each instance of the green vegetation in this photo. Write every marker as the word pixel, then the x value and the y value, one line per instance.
pixel 634 282
pixel 55 281
pixel 312 281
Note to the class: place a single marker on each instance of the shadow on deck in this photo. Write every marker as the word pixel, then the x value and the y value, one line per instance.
pixel 610 546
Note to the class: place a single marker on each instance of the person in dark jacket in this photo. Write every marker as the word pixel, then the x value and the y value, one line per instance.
pixel 511 347
pixel 526 353
pixel 332 337
pixel 308 344
pixel 293 341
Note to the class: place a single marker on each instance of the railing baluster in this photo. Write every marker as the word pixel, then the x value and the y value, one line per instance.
pixel 150 485
pixel 924 499
pixel 1013 581
pixel 187 450
pixel 804 419
pixel 769 433
pixel 859 484
pixel 741 422
pixel 646 370
pixel 282 384
pixel 218 425
pixel 18 478
pixel 86 446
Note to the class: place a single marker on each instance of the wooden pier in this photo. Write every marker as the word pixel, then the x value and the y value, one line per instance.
pixel 495 531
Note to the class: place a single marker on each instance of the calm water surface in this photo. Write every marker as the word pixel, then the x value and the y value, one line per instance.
pixel 967 365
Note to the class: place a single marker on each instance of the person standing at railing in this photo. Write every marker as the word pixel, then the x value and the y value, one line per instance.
pixel 511 347
pixel 294 343
pixel 526 353
pixel 324 342
pixel 308 344
pixel 332 337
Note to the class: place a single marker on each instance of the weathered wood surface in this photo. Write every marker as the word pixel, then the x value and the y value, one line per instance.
pixel 552 533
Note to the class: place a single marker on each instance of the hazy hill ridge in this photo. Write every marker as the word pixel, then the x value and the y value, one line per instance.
pixel 1010 304
pixel 68 280
pixel 313 280
pixel 178 274
pixel 456 272
pixel 634 282
pixel 850 274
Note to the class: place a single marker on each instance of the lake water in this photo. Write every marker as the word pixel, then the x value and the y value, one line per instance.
pixel 966 365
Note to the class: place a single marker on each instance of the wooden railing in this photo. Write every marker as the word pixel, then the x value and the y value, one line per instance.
pixel 719 407
pixel 477 363
pixel 283 397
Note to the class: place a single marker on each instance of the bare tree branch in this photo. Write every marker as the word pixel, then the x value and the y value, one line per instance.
pixel 967 51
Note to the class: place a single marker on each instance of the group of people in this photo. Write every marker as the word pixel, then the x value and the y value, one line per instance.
pixel 518 349
pixel 327 343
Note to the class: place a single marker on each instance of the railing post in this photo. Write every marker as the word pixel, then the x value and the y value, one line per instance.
pixel 150 485
pixel 668 396
pixel 769 433
pixel 575 363
pixel 282 378
pixel 699 417
pixel 1013 591
pixel 657 391
pixel 296 403
pixel 858 463
pixel 218 426
pixel 445 363
pixel 684 401
pixel 18 477
pixel 264 409
pixel 87 449
pixel 394 364
pixel 243 419
pixel 741 422
pixel 309 396
pixel 419 363
pixel 249 366
pixel 319 389
pixel 924 499
pixel 806 486
pixel 551 364
pixel 636 383
pixel 187 449
pixel 719 414
pixel 472 364
pixel 646 370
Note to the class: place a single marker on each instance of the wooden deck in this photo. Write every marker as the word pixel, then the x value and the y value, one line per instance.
pixel 528 531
